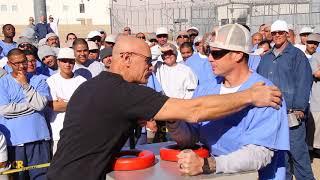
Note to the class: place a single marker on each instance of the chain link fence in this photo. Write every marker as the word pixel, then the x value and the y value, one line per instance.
pixel 148 15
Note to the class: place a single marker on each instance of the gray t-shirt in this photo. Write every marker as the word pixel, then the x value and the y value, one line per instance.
pixel 315 91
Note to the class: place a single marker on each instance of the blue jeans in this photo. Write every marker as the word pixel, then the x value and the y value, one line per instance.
pixel 33 153
pixel 298 159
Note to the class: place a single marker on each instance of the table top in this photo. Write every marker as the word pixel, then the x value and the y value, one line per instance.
pixel 165 170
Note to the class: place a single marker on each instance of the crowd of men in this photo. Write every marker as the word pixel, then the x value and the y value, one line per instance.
pixel 39 77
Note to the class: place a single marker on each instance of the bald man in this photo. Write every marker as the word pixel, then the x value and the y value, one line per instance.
pixel 102 110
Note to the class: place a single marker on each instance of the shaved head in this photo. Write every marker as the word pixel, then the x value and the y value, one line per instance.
pixel 131 59
pixel 130 44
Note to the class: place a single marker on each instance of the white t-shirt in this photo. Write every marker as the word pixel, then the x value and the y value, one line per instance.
pixel 92 66
pixel 176 81
pixel 62 88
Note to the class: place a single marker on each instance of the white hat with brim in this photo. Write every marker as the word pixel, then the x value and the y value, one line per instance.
pixel 161 30
pixel 66 53
pixel 279 25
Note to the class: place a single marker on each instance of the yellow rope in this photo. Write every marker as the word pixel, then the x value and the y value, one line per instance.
pixel 10 171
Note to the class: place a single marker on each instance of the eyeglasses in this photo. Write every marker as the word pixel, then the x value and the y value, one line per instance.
pixel 193 34
pixel 70 61
pixel 162 36
pixel 141 37
pixel 219 54
pixel 147 59
pixel 23 63
pixel 278 32
pixel 96 38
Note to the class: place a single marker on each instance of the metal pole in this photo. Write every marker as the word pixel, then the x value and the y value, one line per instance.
pixel 110 11
pixel 39 8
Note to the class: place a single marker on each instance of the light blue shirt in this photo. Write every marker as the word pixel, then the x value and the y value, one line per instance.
pixel 254 61
pixel 266 127
pixel 27 128
pixel 201 68
pixel 6 47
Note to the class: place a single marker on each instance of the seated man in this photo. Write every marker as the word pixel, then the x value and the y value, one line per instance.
pixel 252 139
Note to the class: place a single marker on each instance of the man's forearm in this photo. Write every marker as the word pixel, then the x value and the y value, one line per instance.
pixel 14 110
pixel 203 108
pixel 250 157
pixel 35 99
pixel 218 106
pixel 183 133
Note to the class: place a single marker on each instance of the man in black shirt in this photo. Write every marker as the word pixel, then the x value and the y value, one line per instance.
pixel 102 110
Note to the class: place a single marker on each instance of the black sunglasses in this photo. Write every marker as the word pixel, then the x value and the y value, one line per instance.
pixel 219 54
pixel 141 37
pixel 162 36
pixel 24 45
pixel 278 32
pixel 70 61
pixel 183 36
pixel 153 40
pixel 96 38
pixel 193 34
pixel 94 51
pixel 197 43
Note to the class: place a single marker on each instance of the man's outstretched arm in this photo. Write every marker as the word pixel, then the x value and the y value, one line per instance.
pixel 217 106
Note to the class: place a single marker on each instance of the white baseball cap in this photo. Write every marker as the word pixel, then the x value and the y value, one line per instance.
pixel 306 30
pixel 313 37
pixel 193 28
pixel 161 30
pixel 232 37
pixel 93 34
pixel 279 25
pixel 66 53
pixel 92 45
pixel 111 38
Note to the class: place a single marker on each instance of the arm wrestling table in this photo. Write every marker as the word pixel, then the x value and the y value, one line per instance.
pixel 165 170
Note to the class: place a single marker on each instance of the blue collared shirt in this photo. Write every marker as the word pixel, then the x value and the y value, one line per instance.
pixel 290 71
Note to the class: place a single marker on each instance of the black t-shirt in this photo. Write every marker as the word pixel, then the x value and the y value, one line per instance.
pixel 97 120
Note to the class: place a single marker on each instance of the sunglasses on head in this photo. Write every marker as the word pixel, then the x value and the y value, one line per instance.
pixel 219 54
pixel 183 36
pixel 278 32
pixel 70 61
pixel 96 38
pixel 162 36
